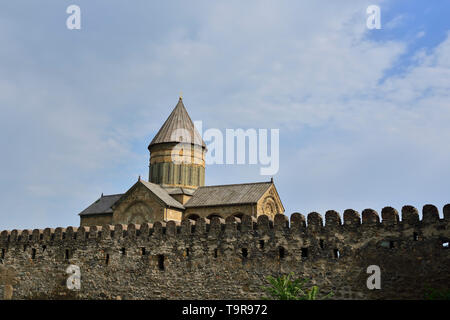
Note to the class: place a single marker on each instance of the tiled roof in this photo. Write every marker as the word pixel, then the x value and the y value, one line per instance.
pixel 228 194
pixel 179 190
pixel 178 119
pixel 205 196
pixel 162 194
pixel 102 205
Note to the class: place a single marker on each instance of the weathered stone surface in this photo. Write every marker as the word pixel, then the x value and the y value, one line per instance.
pixel 389 216
pixel 410 214
pixel 352 218
pixel 332 219
pixel 230 259
pixel 430 213
pixel 370 217
pixel 447 212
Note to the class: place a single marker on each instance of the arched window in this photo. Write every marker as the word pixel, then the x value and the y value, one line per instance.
pixel 238 215
pixel 193 216
pixel 138 212
pixel 213 215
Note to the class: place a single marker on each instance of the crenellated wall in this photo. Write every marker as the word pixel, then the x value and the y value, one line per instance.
pixel 231 259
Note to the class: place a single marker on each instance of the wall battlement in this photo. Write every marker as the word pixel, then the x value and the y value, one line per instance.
pixel 226 259
pixel 314 224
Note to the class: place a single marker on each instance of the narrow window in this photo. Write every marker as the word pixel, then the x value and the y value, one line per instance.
pixel 123 251
pixel 43 248
pixel 86 235
pixel 244 252
pixel 107 259
pixel 304 252
pixel 143 251
pixel 187 252
pixel 215 253
pixel 321 244
pixel 24 247
pixel 52 237
pixel 336 253
pixel 161 262
pixel 33 253
pixel 189 171
pixel 281 252
pixel 41 236
pixel 261 244
pixel 391 244
pixel 67 254
pixel 415 236
pixel 160 174
pixel 3 253
pixel 64 235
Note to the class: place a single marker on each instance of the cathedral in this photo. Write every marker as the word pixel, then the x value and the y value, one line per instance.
pixel 176 189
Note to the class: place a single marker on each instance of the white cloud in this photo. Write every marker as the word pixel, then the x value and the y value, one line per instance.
pixel 73 127
pixel 420 34
pixel 395 22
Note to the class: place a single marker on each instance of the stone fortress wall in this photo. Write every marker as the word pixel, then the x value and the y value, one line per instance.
pixel 230 259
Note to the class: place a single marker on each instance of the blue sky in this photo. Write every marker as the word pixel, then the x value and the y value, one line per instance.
pixel 363 114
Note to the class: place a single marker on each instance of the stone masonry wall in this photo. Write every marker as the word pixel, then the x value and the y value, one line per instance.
pixel 231 259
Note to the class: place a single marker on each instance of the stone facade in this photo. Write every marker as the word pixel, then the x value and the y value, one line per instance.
pixel 221 211
pixel 218 259
pixel 181 198
pixel 140 206
pixel 96 219
pixel 270 203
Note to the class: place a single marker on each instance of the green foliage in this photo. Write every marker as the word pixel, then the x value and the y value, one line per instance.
pixel 437 294
pixel 284 288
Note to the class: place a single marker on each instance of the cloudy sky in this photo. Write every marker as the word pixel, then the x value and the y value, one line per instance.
pixel 363 114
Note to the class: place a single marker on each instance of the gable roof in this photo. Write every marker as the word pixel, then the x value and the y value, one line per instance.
pixel 245 193
pixel 179 190
pixel 178 119
pixel 102 205
pixel 162 194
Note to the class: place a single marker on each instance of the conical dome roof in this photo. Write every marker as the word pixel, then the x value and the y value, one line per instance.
pixel 176 127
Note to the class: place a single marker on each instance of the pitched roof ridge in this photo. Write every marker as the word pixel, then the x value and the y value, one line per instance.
pixel 112 195
pixel 153 184
pixel 235 184
pixel 170 201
